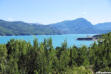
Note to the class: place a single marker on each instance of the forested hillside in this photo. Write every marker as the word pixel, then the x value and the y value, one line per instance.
pixel 20 57
pixel 21 28
pixel 77 26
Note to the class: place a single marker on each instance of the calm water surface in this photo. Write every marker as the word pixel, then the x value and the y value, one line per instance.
pixel 57 39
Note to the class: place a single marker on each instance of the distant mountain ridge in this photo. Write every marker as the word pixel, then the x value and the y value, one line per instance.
pixel 21 28
pixel 77 26
pixel 104 26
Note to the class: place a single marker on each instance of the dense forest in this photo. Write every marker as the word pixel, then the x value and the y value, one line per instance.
pixel 21 57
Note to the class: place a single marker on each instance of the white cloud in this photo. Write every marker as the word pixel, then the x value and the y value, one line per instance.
pixel 10 19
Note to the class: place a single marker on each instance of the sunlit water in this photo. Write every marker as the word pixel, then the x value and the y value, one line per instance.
pixel 57 39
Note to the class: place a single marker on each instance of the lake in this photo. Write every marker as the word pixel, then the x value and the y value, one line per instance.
pixel 57 39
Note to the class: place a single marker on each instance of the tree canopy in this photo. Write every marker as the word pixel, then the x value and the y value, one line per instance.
pixel 21 57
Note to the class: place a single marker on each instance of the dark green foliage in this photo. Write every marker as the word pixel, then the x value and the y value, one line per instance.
pixel 20 57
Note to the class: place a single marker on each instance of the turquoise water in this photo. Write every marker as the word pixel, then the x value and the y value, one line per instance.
pixel 57 39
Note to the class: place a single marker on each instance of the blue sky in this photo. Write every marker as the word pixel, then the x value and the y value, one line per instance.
pixel 52 11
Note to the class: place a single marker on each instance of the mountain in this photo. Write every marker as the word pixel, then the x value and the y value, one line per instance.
pixel 77 26
pixel 104 26
pixel 21 28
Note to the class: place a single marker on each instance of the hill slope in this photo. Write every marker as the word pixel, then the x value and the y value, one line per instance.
pixel 21 28
pixel 104 26
pixel 77 26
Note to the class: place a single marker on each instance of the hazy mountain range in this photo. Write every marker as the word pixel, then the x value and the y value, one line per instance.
pixel 77 26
